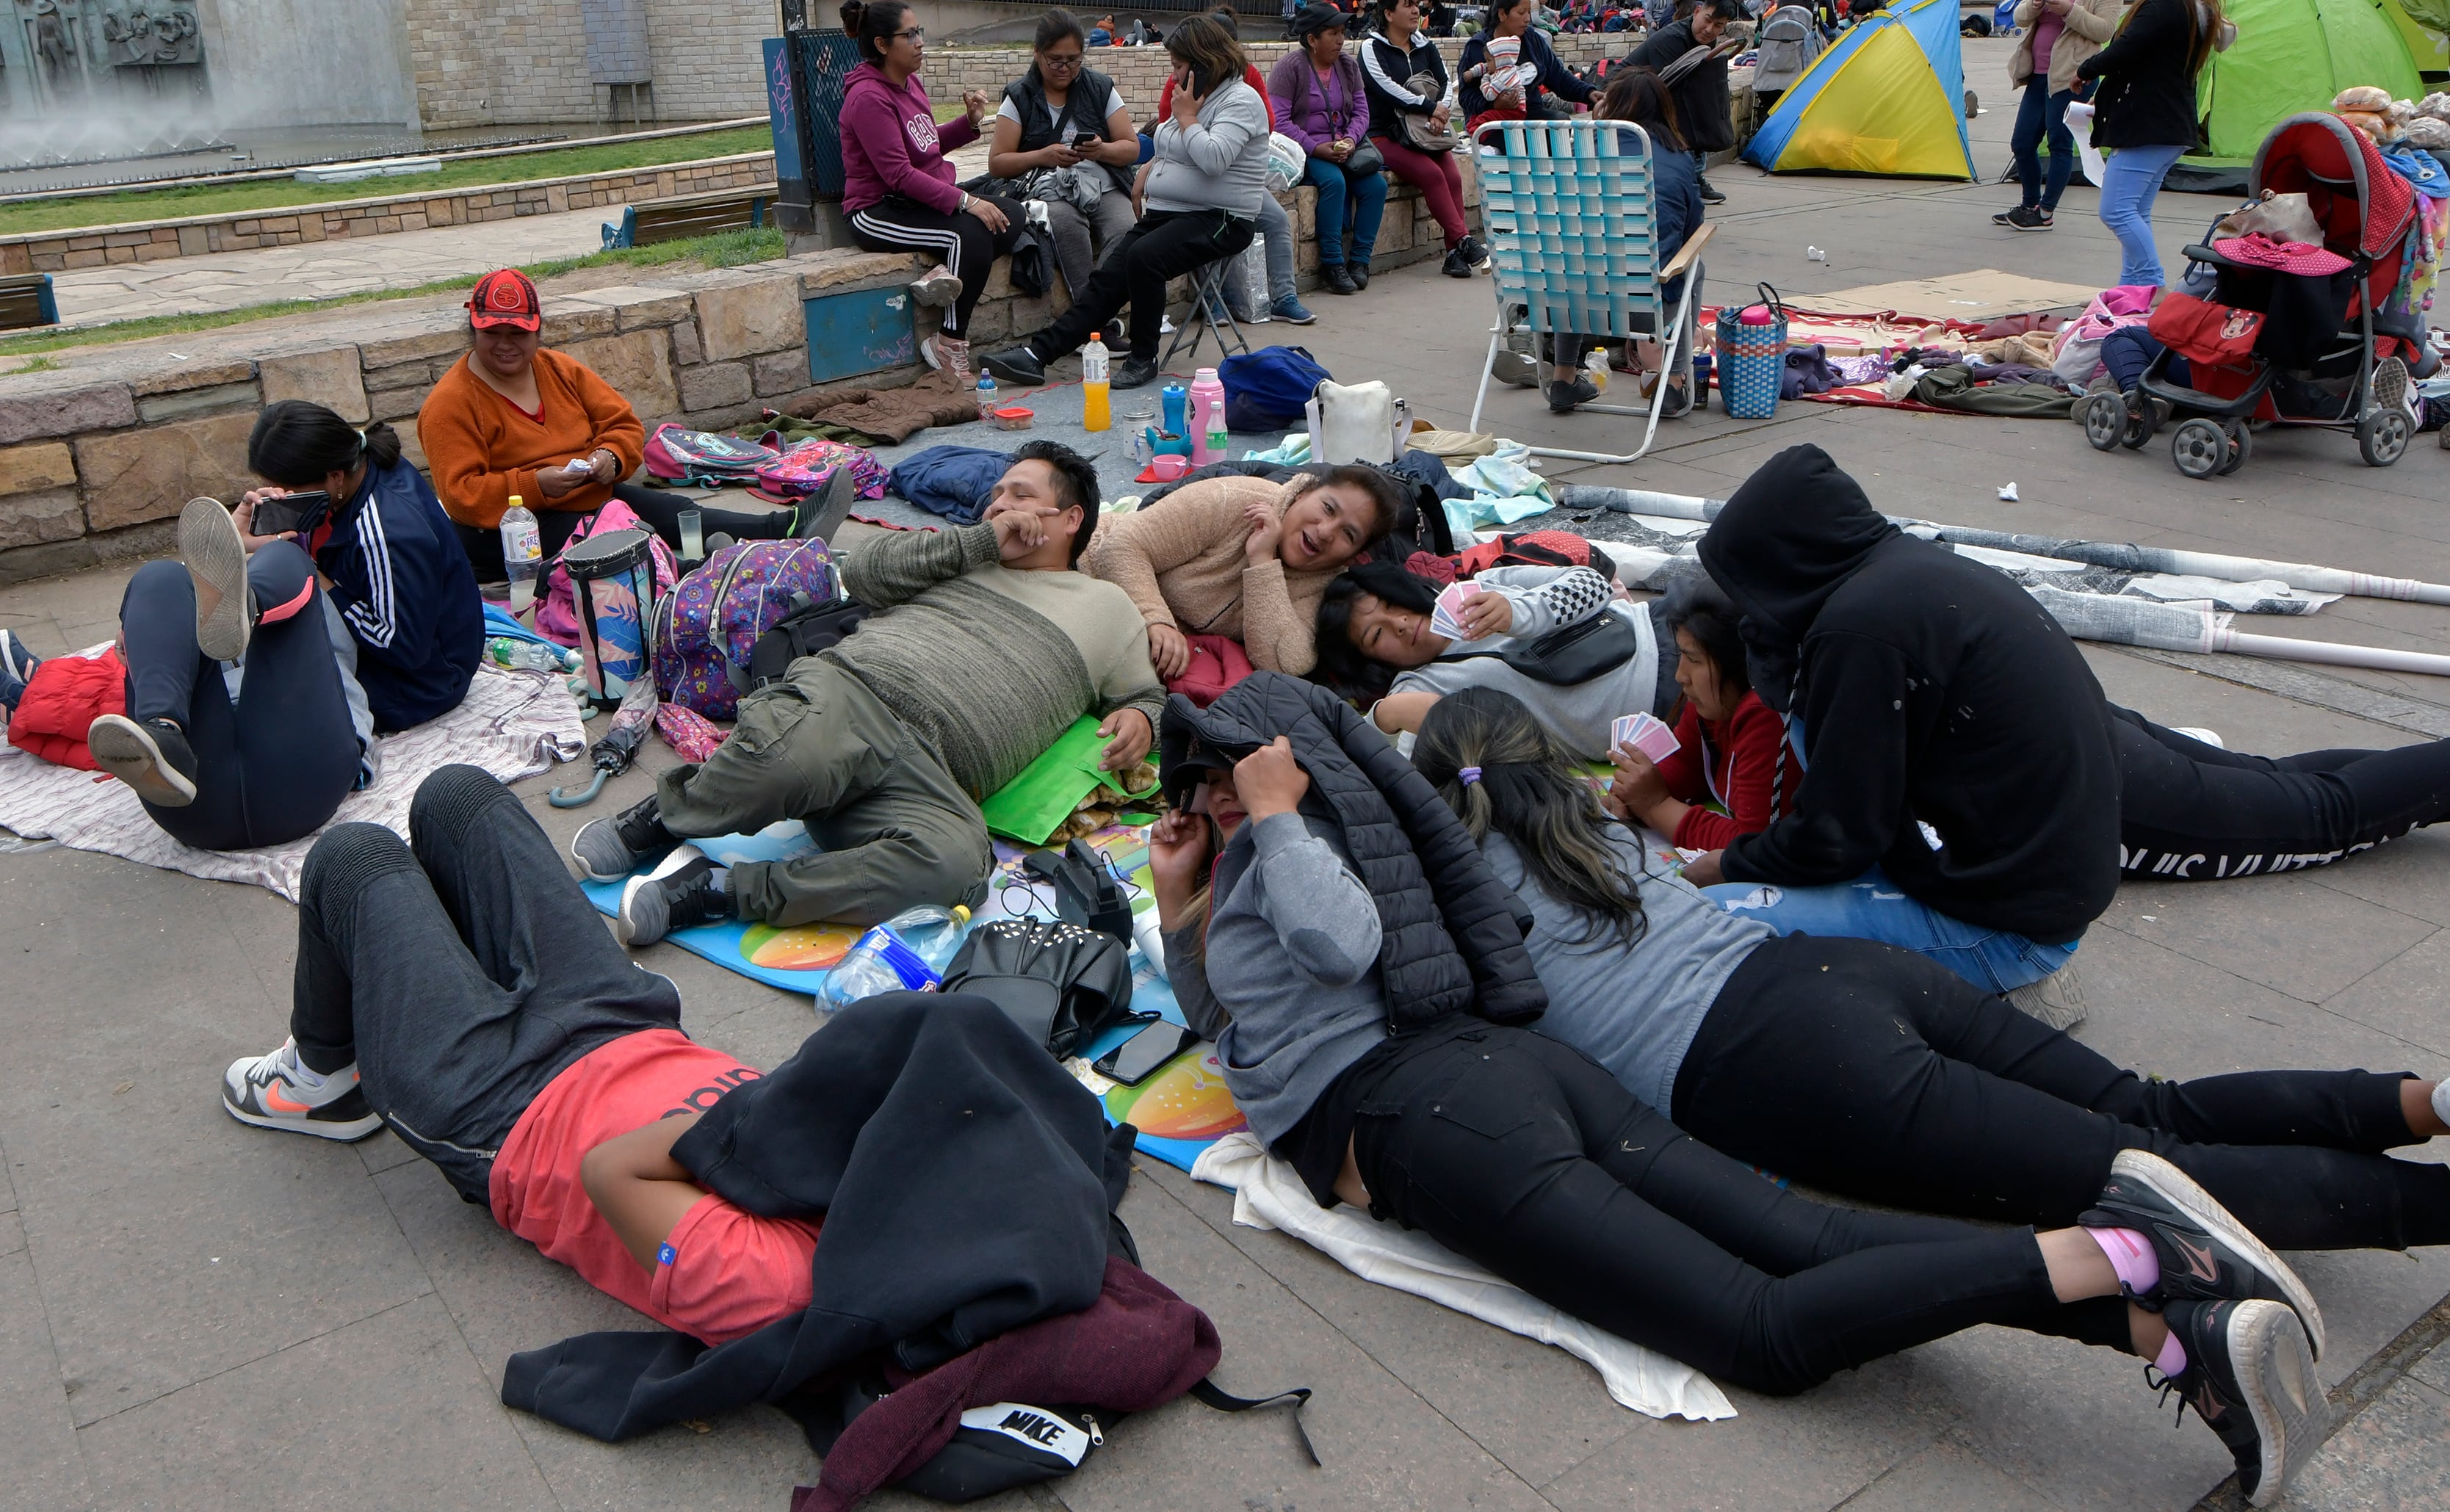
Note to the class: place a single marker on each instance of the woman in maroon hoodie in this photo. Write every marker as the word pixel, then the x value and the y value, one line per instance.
pixel 897 187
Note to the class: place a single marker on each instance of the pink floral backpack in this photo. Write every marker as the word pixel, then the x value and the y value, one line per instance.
pixel 556 610
pixel 804 468
pixel 706 628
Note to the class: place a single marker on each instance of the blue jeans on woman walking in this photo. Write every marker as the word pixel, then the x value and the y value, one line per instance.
pixel 2130 181
pixel 1873 907
pixel 1365 205
pixel 2043 110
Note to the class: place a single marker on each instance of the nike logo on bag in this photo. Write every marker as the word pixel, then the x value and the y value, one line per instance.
pixel 2201 1261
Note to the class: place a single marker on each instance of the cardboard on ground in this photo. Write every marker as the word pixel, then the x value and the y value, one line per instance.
pixel 1982 294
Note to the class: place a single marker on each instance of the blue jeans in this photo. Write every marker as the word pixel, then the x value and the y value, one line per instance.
pixel 2127 186
pixel 1873 907
pixel 1361 209
pixel 2040 112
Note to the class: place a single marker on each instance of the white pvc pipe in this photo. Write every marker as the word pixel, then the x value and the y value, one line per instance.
pixel 2330 653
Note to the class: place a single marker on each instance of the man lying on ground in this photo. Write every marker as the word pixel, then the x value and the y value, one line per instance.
pixel 985 647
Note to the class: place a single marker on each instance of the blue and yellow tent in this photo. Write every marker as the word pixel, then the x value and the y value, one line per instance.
pixel 1887 98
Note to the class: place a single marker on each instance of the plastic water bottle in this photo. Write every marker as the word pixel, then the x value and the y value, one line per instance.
pixel 1094 412
pixel 529 656
pixel 986 398
pixel 1209 441
pixel 522 553
pixel 906 953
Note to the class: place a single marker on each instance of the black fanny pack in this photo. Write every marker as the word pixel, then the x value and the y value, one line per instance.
pixel 1575 654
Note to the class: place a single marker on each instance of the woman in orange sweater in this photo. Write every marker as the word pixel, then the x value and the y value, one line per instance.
pixel 1727 740
pixel 513 418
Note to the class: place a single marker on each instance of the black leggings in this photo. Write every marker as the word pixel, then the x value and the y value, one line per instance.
pixel 1165 246
pixel 273 764
pixel 1868 1070
pixel 960 241
pixel 659 509
pixel 462 971
pixel 2193 812
pixel 1526 1155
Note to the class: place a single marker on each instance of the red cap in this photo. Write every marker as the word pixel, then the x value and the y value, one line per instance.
pixel 505 297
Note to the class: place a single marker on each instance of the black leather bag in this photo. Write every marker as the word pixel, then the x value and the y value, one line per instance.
pixel 1063 983
pixel 1575 654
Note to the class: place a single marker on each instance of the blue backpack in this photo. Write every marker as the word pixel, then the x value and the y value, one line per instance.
pixel 1267 390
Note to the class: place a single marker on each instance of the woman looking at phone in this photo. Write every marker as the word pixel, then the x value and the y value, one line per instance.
pixel 1063 115
pixel 263 663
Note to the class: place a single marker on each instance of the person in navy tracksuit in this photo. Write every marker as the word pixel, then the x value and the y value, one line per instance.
pixel 260 665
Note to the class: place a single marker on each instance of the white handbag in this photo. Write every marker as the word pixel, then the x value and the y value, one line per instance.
pixel 1356 422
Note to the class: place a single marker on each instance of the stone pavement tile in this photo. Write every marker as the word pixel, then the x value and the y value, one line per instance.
pixel 1947 1477
pixel 2284 931
pixel 1381 1443
pixel 387 1412
pixel 2388 1457
pixel 2403 998
pixel 37 1436
pixel 2410 873
pixel 2434 1369
pixel 1535 1407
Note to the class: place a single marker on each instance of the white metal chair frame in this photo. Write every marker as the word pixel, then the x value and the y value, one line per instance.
pixel 1575 274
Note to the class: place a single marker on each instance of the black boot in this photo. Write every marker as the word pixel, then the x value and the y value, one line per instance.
pixel 1337 280
pixel 1359 270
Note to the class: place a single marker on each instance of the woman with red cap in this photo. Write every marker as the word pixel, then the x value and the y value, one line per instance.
pixel 515 418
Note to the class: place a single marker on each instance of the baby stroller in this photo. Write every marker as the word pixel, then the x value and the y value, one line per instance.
pixel 2269 334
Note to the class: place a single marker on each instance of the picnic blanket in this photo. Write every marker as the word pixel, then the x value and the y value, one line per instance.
pixel 512 723
pixel 1267 1194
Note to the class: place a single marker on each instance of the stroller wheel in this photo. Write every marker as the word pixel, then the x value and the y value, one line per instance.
pixel 2142 421
pixel 2199 448
pixel 2382 436
pixel 2241 445
pixel 2105 420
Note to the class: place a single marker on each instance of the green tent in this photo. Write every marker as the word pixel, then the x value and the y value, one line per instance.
pixel 2294 55
pixel 2426 24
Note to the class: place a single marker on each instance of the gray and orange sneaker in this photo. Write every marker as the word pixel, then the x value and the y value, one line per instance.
pixel 2251 1379
pixel 277 1092
pixel 2206 1255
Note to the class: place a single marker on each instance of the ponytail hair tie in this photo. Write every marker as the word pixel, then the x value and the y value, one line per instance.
pixel 1468 775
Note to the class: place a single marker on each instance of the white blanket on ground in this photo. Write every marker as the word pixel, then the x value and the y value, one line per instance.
pixel 513 725
pixel 1267 1194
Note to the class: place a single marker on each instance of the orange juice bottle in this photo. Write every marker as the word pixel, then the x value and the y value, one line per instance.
pixel 1094 414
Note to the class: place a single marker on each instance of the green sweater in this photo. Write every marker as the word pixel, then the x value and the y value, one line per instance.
pixel 987 665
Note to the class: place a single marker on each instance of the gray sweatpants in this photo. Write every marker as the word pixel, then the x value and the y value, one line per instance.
pixel 1074 233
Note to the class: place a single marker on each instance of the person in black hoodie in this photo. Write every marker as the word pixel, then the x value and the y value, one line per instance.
pixel 1952 787
pixel 1374 971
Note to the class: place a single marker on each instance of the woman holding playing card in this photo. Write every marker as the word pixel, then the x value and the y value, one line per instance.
pixel 1486 631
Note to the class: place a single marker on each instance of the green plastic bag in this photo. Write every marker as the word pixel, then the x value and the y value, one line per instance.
pixel 1034 805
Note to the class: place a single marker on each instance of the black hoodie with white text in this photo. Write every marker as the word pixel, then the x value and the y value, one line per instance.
pixel 1932 688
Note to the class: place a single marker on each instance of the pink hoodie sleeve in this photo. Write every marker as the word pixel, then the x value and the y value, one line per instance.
pixel 872 119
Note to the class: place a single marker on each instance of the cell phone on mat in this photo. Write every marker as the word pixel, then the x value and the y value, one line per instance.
pixel 1138 1059
pixel 274 515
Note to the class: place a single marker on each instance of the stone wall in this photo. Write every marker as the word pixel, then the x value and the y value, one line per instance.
pixel 498 61
pixel 97 458
pixel 191 236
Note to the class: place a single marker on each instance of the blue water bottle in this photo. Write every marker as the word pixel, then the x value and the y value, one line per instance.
pixel 1178 409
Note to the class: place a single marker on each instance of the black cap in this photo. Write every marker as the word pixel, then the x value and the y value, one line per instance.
pixel 1314 18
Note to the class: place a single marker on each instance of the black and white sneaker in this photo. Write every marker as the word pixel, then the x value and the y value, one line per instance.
pixel 2027 218
pixel 610 849
pixel 676 895
pixel 2206 1255
pixel 1710 194
pixel 153 758
pixel 277 1092
pixel 2390 384
pixel 1474 254
pixel 2252 1381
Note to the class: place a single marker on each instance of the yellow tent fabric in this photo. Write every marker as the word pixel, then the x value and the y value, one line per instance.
pixel 1883 112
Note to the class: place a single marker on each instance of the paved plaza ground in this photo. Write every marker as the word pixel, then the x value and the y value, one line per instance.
pixel 194 1314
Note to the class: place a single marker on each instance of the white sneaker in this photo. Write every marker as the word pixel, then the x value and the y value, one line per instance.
pixel 277 1092
pixel 2209 737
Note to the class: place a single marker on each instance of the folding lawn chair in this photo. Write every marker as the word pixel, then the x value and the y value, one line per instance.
pixel 1570 226
pixel 1207 304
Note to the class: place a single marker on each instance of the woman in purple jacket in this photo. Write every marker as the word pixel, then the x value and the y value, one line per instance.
pixel 1321 104
pixel 897 188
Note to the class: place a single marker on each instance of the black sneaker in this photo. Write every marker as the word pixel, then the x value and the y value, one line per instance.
pixel 1456 264
pixel 153 757
pixel 1019 365
pixel 2025 217
pixel 1474 254
pixel 1563 397
pixel 1135 373
pixel 610 849
pixel 2252 1381
pixel 677 895
pixel 2001 218
pixel 1337 280
pixel 1359 272
pixel 819 515
pixel 2206 1255
pixel 1710 194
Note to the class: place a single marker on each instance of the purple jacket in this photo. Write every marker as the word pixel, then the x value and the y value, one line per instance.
pixel 1314 114
pixel 891 143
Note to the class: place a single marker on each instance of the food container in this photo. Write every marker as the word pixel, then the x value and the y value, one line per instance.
pixel 1169 466
pixel 1013 417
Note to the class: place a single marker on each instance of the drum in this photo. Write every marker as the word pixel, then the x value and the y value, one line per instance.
pixel 613 586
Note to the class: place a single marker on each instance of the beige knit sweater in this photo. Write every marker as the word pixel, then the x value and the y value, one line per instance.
pixel 1181 561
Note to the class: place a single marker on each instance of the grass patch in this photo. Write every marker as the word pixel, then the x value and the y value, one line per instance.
pixel 272 194
pixel 40 364
pixel 722 250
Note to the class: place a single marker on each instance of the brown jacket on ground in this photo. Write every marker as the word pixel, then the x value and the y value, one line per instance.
pixel 1181 561
pixel 481 448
